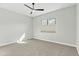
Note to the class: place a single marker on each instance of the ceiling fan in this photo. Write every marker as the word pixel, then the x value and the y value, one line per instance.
pixel 32 8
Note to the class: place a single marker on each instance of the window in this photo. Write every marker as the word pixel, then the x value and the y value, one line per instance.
pixel 49 25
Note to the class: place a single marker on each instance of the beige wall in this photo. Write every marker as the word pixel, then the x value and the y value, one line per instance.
pixel 78 27
pixel 65 26
pixel 13 25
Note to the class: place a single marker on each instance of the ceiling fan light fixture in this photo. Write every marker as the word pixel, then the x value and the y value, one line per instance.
pixel 32 8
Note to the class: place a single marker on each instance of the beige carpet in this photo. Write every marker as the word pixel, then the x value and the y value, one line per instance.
pixel 35 47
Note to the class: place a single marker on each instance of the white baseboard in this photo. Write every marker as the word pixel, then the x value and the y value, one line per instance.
pixel 4 44
pixel 58 42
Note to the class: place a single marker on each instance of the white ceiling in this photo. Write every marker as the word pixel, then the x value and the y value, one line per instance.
pixel 20 8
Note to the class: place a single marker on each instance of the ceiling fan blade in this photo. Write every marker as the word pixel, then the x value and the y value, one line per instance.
pixel 28 6
pixel 39 9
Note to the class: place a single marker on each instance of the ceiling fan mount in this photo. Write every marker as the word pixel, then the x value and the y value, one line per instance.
pixel 33 3
pixel 33 8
